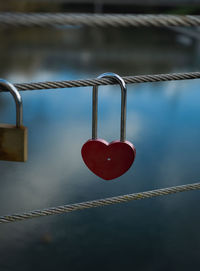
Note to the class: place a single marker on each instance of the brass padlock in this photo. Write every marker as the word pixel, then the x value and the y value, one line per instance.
pixel 13 138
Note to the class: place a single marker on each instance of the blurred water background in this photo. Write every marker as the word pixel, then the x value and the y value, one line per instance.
pixel 162 122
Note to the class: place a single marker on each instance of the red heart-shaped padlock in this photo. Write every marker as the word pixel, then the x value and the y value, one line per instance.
pixel 108 160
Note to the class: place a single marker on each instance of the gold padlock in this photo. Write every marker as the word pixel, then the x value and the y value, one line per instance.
pixel 13 138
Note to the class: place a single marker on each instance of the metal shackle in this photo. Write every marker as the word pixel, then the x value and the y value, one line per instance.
pixel 122 84
pixel 18 100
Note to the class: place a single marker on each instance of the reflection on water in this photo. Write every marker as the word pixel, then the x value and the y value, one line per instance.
pixel 162 122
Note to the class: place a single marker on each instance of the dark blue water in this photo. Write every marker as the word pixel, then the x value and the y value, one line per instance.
pixel 162 122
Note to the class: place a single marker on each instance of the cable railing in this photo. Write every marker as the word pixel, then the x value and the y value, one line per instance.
pixel 106 81
pixel 98 203
pixel 20 19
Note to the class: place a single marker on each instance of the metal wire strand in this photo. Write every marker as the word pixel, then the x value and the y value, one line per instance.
pixel 97 203
pixel 105 81
pixel 16 19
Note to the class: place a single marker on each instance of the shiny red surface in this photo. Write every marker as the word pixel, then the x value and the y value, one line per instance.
pixel 108 160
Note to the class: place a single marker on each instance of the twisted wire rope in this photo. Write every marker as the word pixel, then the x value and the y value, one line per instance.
pixel 17 19
pixel 97 203
pixel 106 81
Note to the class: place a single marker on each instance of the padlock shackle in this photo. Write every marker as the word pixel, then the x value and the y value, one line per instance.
pixel 18 100
pixel 122 84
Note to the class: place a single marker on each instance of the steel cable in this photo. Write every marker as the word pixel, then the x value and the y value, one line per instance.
pixel 105 81
pixel 17 19
pixel 97 203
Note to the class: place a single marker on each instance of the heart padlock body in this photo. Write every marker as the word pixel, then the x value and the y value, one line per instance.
pixel 108 160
